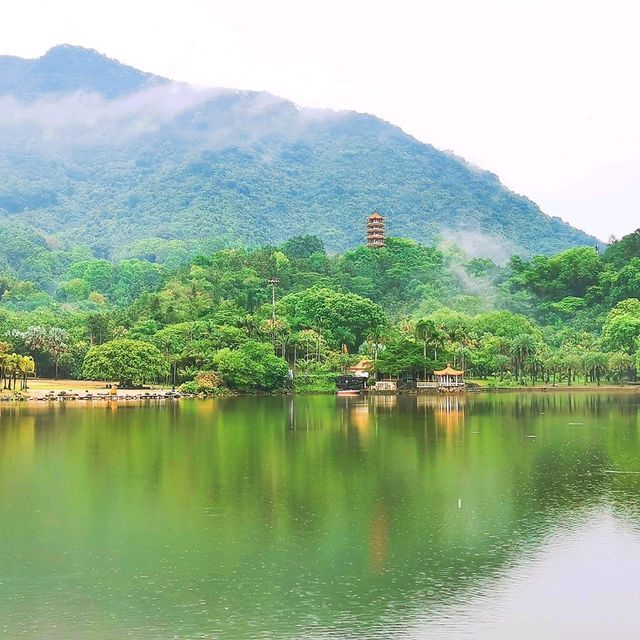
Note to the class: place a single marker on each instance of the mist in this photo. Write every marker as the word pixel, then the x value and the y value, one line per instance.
pixel 90 118
pixel 475 243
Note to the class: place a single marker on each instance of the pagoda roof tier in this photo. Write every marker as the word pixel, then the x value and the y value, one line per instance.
pixel 375 216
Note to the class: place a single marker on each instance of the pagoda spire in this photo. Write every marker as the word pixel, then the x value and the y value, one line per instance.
pixel 375 231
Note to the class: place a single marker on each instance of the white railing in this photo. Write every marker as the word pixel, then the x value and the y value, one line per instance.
pixel 426 384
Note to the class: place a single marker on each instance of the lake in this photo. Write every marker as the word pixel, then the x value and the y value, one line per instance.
pixel 487 516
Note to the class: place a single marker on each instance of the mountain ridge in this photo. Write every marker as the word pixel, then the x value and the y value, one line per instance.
pixel 66 68
pixel 117 156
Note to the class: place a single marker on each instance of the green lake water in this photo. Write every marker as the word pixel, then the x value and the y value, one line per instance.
pixel 489 516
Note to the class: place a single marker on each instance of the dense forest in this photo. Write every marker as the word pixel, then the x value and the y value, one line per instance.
pixel 209 323
pixel 143 221
pixel 99 157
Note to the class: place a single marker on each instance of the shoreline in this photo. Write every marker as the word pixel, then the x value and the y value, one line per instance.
pixel 564 388
pixel 45 392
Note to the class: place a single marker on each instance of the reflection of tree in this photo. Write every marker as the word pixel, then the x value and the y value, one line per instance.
pixel 269 510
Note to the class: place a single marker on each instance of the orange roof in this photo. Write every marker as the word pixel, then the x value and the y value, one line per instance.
pixel 375 215
pixel 449 371
pixel 363 365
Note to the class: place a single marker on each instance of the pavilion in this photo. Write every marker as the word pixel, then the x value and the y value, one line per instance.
pixel 449 379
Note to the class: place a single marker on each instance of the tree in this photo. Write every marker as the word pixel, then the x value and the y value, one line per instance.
pixel 523 347
pixel 343 318
pixel 503 324
pixel 619 252
pixel 35 337
pixel 621 366
pixel 252 366
pixel 596 364
pixel 306 344
pixel 57 343
pixel 128 361
pixel 53 340
pixel 425 331
pixel 25 366
pixel 5 360
pixel 570 362
pixel 10 363
pixel 174 341
pixel 552 366
pixel 98 326
pixel 401 355
pixel 303 246
pixel 622 326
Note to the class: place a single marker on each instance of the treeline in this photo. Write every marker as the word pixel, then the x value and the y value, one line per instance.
pixel 210 323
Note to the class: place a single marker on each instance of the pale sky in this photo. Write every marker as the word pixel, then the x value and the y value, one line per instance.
pixel 543 93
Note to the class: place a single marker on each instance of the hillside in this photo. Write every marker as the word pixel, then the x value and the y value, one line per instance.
pixel 96 153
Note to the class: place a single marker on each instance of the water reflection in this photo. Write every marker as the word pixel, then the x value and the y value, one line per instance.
pixel 312 516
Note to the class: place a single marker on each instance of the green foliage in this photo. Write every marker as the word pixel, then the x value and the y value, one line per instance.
pixel 128 361
pixel 205 382
pixel 303 247
pixel 569 273
pixel 402 355
pixel 619 252
pixel 408 307
pixel 621 329
pixel 319 382
pixel 343 318
pixel 503 324
pixel 252 366
pixel 121 283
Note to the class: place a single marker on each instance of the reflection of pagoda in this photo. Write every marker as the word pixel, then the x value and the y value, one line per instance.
pixel 375 230
pixel 450 412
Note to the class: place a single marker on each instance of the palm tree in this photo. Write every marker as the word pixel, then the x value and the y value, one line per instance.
pixel 500 363
pixel 426 331
pixel 552 366
pixel 621 366
pixel 25 365
pixel 4 357
pixel 596 364
pixel 10 368
pixel 249 324
pixel 571 362
pixel 57 344
pixel 378 337
pixel 522 347
pixel 533 365
pixel 35 337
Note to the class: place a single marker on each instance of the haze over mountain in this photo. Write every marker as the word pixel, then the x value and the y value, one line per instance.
pixel 93 152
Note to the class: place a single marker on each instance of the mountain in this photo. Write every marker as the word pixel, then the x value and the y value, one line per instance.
pixel 96 153
pixel 65 69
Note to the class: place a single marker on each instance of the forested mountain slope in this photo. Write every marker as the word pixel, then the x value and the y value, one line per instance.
pixel 94 153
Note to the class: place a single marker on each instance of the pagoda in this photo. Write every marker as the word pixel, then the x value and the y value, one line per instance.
pixel 375 231
pixel 450 379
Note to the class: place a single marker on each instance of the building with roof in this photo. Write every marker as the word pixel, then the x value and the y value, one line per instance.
pixel 375 231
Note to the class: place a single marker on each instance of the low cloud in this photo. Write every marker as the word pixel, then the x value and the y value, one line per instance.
pixel 82 119
pixel 90 118
pixel 478 244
